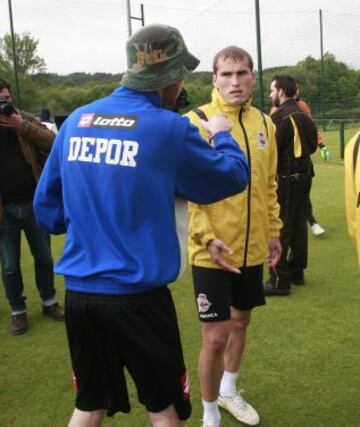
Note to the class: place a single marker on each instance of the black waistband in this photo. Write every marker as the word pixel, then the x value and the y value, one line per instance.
pixel 289 166
pixel 296 174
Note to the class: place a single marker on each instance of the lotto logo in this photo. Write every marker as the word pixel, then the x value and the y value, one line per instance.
pixel 86 120
pixel 109 121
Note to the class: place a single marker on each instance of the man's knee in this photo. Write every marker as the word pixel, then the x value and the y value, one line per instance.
pixel 215 336
pixel 9 268
pixel 166 418
pixel 86 419
pixel 240 320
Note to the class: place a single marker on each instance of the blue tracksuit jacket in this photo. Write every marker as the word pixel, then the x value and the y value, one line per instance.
pixel 111 182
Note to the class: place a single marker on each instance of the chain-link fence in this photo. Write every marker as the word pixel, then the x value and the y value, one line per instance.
pixel 89 36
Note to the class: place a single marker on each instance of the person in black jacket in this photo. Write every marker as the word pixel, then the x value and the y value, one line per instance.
pixel 24 146
pixel 296 138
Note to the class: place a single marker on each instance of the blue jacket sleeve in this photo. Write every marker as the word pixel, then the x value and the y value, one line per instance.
pixel 210 173
pixel 48 201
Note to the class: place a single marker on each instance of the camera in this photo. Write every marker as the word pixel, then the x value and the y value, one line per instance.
pixel 6 107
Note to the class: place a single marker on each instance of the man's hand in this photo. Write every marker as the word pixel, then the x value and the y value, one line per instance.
pixel 215 247
pixel 274 251
pixel 216 124
pixel 13 121
pixel 324 152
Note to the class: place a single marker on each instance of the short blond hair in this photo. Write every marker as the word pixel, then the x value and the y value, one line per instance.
pixel 235 53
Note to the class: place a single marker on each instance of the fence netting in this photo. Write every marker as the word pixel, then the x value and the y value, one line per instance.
pixel 89 36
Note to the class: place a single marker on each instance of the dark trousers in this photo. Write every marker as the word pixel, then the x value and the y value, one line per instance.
pixel 310 216
pixel 293 197
pixel 19 217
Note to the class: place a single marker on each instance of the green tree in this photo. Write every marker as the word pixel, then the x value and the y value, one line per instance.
pixel 28 61
pixel 341 85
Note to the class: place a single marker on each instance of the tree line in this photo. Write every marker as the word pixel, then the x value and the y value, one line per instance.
pixel 64 93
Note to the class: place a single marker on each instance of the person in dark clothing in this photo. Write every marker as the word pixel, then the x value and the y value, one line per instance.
pixel 44 115
pixel 296 137
pixel 44 118
pixel 315 227
pixel 24 141
pixel 181 101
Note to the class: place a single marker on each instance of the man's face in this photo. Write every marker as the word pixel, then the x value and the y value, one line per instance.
pixel 274 94
pixel 5 94
pixel 234 80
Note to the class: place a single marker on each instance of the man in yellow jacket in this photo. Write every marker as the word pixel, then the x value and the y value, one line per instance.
pixel 352 189
pixel 229 240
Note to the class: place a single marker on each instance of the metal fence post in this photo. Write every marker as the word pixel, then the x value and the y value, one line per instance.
pixel 342 138
pixel 322 71
pixel 260 70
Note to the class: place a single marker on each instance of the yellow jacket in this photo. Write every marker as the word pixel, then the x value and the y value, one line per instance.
pixel 246 221
pixel 352 189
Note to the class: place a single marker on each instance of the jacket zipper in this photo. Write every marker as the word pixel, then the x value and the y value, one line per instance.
pixel 249 188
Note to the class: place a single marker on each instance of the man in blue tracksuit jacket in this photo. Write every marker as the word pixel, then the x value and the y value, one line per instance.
pixel 118 168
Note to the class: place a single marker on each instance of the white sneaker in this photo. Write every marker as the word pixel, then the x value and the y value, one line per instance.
pixel 317 229
pixel 211 423
pixel 240 409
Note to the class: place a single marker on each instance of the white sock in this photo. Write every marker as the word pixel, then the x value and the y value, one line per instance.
pixel 49 302
pixel 211 411
pixel 228 384
pixel 17 312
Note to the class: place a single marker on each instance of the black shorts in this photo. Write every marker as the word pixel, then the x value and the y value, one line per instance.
pixel 217 290
pixel 139 332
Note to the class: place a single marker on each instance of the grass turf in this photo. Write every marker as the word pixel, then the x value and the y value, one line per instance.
pixel 301 364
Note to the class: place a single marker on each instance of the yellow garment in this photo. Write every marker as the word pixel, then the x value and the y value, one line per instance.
pixel 297 140
pixel 229 220
pixel 352 190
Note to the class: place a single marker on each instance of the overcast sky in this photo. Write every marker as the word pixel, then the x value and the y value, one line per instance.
pixel 90 35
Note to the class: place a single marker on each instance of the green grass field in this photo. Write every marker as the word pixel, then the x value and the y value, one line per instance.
pixel 302 363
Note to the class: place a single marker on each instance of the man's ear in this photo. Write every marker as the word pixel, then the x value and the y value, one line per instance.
pixel 254 76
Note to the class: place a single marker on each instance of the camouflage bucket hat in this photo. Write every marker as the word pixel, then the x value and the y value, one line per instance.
pixel 157 57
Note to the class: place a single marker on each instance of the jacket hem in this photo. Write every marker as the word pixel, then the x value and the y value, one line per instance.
pixel 209 264
pixel 107 287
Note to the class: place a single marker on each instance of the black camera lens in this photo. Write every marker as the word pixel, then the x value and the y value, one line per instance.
pixel 6 107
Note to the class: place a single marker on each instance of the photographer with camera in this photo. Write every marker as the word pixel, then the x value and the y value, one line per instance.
pixel 24 142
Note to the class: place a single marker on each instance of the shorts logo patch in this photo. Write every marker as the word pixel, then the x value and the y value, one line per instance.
pixel 203 303
pixel 185 383
pixel 262 141
pixel 86 120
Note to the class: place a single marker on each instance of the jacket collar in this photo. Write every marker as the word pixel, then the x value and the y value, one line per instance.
pixel 152 97
pixel 218 103
pixel 289 101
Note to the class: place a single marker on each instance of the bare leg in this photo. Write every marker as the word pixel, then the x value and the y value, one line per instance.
pixel 166 418
pixel 229 399
pixel 237 337
pixel 86 419
pixel 211 362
